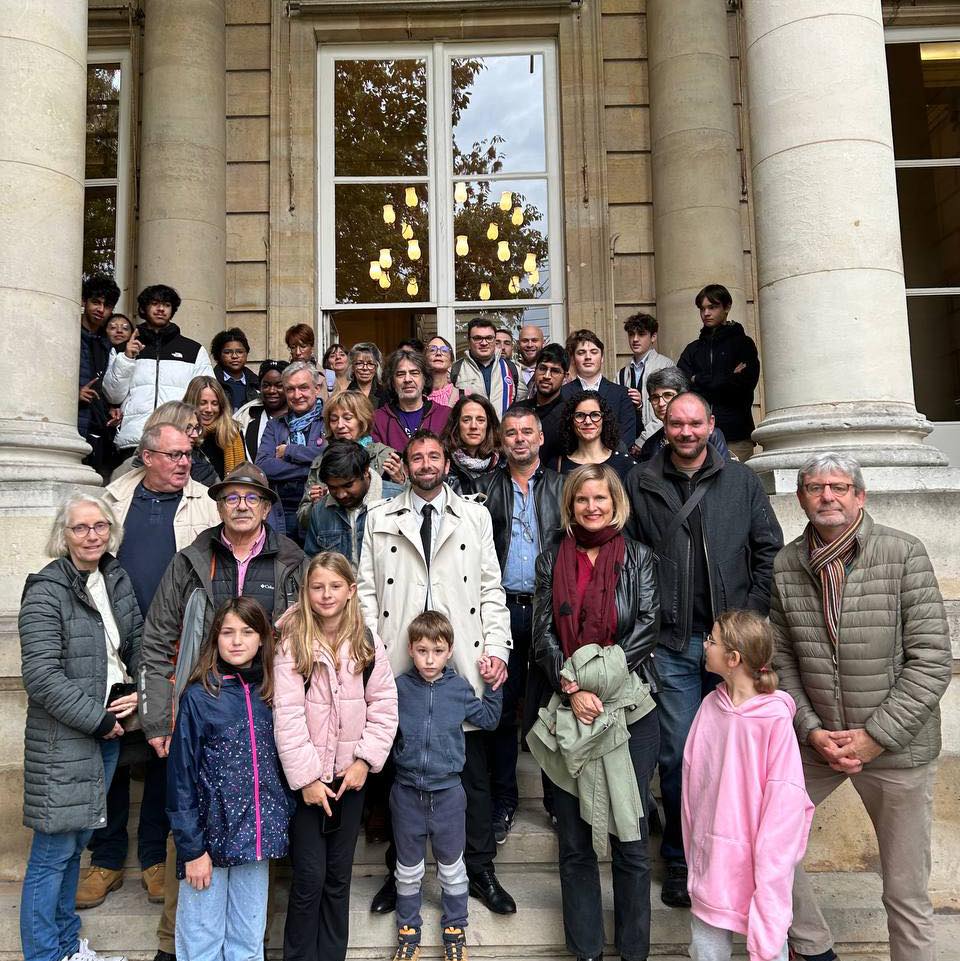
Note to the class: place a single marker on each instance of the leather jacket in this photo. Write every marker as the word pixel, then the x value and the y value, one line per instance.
pixel 497 489
pixel 638 614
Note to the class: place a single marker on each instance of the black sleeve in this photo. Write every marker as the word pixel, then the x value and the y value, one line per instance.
pixel 641 640
pixel 546 644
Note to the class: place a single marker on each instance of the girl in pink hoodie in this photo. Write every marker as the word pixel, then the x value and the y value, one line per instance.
pixel 335 717
pixel 745 810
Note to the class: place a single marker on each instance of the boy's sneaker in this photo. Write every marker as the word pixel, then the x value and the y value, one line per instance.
pixel 408 945
pixel 454 944
pixel 501 827
pixel 85 953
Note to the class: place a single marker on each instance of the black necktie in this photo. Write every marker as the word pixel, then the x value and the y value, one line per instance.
pixel 426 531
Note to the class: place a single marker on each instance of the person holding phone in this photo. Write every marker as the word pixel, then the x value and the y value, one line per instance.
pixel 335 716
pixel 80 629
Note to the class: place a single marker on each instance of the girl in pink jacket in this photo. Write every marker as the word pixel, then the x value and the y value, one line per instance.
pixel 335 717
pixel 745 810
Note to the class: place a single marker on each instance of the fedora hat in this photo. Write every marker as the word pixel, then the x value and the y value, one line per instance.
pixel 250 476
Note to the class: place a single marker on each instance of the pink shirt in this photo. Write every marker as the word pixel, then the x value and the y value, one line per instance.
pixel 242 565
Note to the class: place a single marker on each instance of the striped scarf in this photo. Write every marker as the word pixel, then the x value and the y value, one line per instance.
pixel 830 562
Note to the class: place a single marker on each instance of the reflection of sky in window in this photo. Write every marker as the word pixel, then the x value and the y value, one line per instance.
pixel 507 99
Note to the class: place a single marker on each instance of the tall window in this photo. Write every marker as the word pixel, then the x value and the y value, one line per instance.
pixel 924 78
pixel 106 175
pixel 439 184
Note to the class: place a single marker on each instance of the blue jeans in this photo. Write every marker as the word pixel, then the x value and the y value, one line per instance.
pixel 49 923
pixel 684 682
pixel 226 921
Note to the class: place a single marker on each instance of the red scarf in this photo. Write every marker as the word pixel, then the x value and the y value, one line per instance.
pixel 589 617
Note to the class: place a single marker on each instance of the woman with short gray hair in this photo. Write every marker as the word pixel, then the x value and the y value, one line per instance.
pixel 80 628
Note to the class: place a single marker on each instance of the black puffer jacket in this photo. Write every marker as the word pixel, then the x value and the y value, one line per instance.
pixel 741 538
pixel 64 666
pixel 497 490
pixel 638 614
pixel 709 362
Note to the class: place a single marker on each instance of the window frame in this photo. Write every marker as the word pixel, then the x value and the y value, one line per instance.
pixel 124 178
pixel 439 178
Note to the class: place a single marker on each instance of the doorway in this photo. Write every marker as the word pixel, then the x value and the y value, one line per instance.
pixel 385 327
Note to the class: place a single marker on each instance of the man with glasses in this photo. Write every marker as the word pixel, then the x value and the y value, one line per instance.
pixel 862 646
pixel 483 370
pixel 162 510
pixel 715 536
pixel 544 397
pixel 241 556
pixel 523 498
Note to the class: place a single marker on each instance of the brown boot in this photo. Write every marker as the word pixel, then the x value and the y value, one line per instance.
pixel 95 884
pixel 153 882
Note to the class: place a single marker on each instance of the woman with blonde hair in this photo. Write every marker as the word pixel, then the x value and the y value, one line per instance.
pixel 222 441
pixel 335 718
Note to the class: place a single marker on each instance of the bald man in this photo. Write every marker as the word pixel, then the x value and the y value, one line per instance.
pixel 531 343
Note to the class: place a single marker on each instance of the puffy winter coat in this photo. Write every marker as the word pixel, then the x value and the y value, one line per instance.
pixel 64 667
pixel 893 662
pixel 225 793
pixel 506 384
pixel 161 372
pixel 323 726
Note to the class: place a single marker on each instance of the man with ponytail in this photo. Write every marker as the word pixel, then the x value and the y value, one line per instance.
pixel 863 648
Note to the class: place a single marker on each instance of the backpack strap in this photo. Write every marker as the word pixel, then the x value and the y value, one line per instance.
pixel 698 494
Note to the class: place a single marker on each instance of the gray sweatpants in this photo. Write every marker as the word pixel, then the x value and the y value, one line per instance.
pixel 441 817
pixel 708 943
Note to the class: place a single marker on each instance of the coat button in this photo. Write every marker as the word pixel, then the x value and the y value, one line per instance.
pixel 390 580
pixel 464 578
pixel 393 550
pixel 386 613
pixel 463 547
pixel 473 610
pixel 476 643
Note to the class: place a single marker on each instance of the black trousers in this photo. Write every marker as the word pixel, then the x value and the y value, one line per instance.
pixel 580 875
pixel 318 910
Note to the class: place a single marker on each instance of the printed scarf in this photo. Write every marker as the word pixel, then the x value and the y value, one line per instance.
pixel 830 561
pixel 300 426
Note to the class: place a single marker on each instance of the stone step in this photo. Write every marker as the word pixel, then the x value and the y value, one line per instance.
pixel 126 922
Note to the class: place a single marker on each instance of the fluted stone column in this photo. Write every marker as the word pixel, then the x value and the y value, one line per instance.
pixel 183 167
pixel 836 350
pixel 696 172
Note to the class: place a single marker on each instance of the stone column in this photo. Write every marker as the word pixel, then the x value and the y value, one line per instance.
pixel 183 159
pixel 696 172
pixel 836 350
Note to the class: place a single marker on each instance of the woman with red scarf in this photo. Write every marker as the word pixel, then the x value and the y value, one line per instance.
pixel 599 587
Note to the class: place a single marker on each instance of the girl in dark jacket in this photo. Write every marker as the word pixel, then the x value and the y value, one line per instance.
pixel 599 587
pixel 227 801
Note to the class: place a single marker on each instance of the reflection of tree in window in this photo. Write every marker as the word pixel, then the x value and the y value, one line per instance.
pixel 103 120
pixel 99 230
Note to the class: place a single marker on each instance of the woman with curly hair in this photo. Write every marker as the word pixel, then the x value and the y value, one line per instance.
pixel 472 439
pixel 589 434
pixel 222 441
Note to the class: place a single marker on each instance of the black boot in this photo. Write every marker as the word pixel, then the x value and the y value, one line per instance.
pixel 385 900
pixel 674 891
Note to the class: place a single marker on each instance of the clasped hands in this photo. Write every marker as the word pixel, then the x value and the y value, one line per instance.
pixel 586 707
pixel 845 751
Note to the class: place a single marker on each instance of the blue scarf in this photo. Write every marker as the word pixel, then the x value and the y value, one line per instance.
pixel 300 426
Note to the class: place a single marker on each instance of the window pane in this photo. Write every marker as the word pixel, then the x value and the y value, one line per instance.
pixel 99 230
pixel 925 99
pixel 500 240
pixel 498 118
pixel 103 119
pixel 374 224
pixel 380 118
pixel 930 225
pixel 935 353
pixel 510 318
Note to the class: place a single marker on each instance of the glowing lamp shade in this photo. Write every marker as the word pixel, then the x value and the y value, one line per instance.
pixel 493 231
pixel 410 197
pixel 413 250
pixel 514 285
pixel 389 214
pixel 406 231
pixel 503 251
pixel 413 288
pixel 506 200
pixel 460 192
pixel 374 269
pixel 386 261
pixel 517 217
pixel 385 280
pixel 529 262
pixel 484 291
pixel 462 248
pixel 534 277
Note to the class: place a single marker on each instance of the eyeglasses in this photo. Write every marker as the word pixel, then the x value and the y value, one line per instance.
pixel 364 363
pixel 527 532
pixel 233 351
pixel 443 349
pixel 81 530
pixel 710 640
pixel 553 371
pixel 193 430
pixel 479 339
pixel 233 500
pixel 175 456
pixel 664 398
pixel 815 490
pixel 582 416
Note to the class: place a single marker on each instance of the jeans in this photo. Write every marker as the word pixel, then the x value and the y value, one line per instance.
pixel 580 875
pixel 49 923
pixel 108 846
pixel 226 920
pixel 708 943
pixel 504 742
pixel 684 682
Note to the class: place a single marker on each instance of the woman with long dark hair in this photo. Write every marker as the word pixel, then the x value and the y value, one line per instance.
pixel 472 439
pixel 589 434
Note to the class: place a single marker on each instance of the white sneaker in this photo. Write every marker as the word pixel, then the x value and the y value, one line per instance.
pixel 86 953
